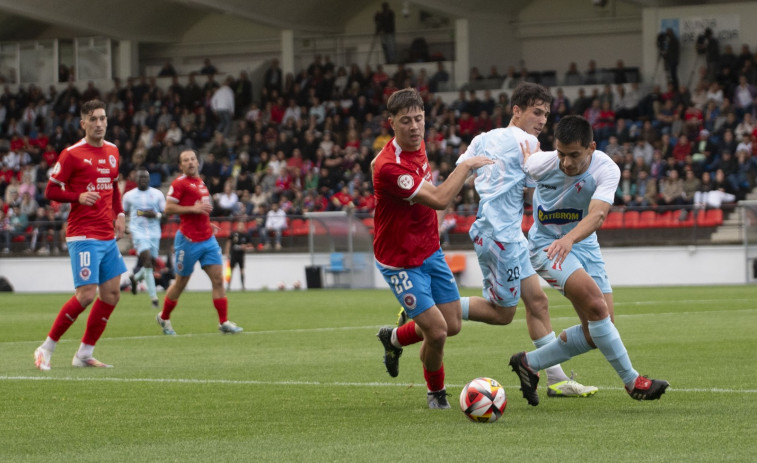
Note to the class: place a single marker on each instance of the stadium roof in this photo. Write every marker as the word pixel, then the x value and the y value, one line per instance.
pixel 166 20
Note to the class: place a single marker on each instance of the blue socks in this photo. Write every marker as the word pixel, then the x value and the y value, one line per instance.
pixel 553 351
pixel 607 339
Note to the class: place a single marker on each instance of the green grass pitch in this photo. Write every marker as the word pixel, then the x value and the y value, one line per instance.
pixel 305 382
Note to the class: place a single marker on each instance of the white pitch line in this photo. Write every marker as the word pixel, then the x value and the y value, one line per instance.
pixel 313 383
pixel 357 328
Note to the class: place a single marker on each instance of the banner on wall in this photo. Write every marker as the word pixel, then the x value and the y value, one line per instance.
pixel 725 28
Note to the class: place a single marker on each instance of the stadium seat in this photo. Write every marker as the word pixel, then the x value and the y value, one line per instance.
pixel 613 221
pixel 688 221
pixel 336 267
pixel 631 219
pixel 299 227
pixel 709 218
pixel 715 217
pixel 666 219
pixel 647 219
pixel 224 228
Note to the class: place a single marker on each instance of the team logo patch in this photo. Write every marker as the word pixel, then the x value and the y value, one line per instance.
pixel 56 169
pixel 409 301
pixel 405 181
pixel 112 160
pixel 85 273
pixel 180 266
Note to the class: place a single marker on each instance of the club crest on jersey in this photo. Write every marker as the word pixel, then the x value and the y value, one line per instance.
pixel 112 160
pixel 85 273
pixel 405 181
pixel 91 187
pixel 560 216
pixel 409 301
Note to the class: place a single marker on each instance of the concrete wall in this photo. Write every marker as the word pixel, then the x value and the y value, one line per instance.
pixel 652 266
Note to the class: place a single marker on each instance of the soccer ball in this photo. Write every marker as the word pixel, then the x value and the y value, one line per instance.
pixel 282 286
pixel 483 400
pixel 297 284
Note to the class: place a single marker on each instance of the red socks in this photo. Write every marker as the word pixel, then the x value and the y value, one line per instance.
pixel 434 379
pixel 66 317
pixel 96 322
pixel 222 307
pixel 168 306
pixel 406 334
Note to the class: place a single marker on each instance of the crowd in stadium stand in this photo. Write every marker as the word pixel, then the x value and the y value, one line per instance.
pixel 305 141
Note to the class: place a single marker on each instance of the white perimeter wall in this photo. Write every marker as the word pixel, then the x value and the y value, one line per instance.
pixel 653 266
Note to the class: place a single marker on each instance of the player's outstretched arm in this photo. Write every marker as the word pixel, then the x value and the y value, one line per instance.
pixel 439 197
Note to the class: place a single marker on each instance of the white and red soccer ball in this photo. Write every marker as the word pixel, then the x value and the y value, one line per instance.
pixel 483 400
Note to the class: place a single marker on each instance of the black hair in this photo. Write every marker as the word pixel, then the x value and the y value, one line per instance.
pixel 572 129
pixel 529 94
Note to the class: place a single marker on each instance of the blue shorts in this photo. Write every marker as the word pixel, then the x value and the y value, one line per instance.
pixel 146 244
pixel 504 266
pixel 588 258
pixel 93 262
pixel 207 252
pixel 420 288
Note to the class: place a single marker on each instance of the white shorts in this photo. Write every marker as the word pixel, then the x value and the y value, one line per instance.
pixel 503 265
pixel 588 258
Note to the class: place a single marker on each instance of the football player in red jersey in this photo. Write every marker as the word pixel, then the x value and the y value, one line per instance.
pixel 86 175
pixel 195 242
pixel 406 243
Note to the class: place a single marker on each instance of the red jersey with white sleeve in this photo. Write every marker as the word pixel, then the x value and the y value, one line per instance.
pixel 406 233
pixel 80 168
pixel 188 191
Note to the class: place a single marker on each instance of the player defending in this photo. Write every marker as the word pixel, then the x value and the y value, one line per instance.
pixel 498 239
pixel 86 175
pixel 194 242
pixel 575 187
pixel 236 246
pixel 406 242
pixel 145 206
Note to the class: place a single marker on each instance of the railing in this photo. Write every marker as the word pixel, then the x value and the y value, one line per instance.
pixel 659 226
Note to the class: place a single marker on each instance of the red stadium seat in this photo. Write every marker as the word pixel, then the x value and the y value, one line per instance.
pixel 709 218
pixel 224 228
pixel 299 227
pixel 631 219
pixel 666 219
pixel 613 221
pixel 686 222
pixel 647 219
pixel 715 217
